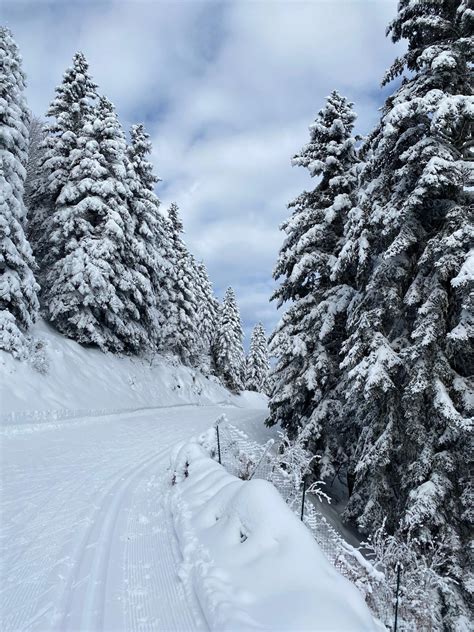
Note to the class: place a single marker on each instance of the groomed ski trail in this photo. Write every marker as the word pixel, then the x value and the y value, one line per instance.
pixel 86 543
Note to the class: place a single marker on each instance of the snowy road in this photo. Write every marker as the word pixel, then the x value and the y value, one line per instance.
pixel 85 542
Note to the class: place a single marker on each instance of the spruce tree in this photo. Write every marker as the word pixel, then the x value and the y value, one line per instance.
pixel 150 253
pixel 408 355
pixel 181 336
pixel 230 360
pixel 34 180
pixel 38 200
pixel 92 293
pixel 69 112
pixel 207 315
pixel 257 365
pixel 18 288
pixel 308 339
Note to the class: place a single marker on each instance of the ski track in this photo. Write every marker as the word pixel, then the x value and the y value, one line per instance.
pixel 86 543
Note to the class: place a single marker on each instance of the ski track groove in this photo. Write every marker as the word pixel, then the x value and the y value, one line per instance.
pixel 46 523
pixel 86 542
pixel 92 615
pixel 51 522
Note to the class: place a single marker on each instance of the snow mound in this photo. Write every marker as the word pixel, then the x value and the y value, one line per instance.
pixel 249 560
pixel 65 380
pixel 250 399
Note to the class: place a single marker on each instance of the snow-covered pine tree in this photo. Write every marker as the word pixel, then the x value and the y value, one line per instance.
pixel 181 335
pixel 257 364
pixel 34 176
pixel 308 339
pixel 91 294
pixel 207 315
pixel 230 359
pixel 37 198
pixel 70 111
pixel 18 288
pixel 151 253
pixel 71 108
pixel 408 358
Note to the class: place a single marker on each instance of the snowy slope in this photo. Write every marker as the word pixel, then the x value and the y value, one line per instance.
pixel 84 381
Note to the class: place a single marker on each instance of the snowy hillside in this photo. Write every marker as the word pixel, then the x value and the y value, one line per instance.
pixel 74 381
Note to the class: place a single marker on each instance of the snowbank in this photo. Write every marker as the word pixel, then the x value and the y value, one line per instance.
pixel 79 381
pixel 247 557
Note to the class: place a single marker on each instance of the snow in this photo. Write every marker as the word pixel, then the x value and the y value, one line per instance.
pixel 93 537
pixel 85 540
pixel 466 273
pixel 84 381
pixel 249 560
pixel 444 61
pixel 86 543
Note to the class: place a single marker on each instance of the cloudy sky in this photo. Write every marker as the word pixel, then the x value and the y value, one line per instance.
pixel 227 90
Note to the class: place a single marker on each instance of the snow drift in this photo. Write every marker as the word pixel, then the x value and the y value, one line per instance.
pixel 246 556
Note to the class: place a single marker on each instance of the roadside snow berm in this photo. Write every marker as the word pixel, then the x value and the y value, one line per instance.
pixel 247 558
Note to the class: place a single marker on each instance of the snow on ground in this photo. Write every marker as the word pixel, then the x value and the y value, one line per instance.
pixel 85 541
pixel 249 560
pixel 87 538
